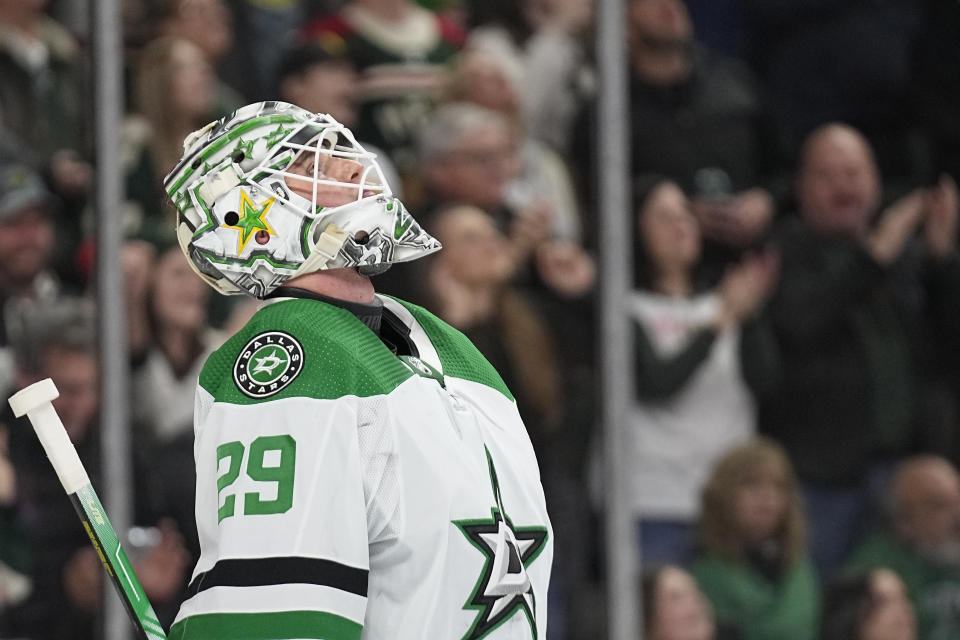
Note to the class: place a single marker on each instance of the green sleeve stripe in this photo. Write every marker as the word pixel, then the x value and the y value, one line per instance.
pixel 262 626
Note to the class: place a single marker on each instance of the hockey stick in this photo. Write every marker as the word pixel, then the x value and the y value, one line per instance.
pixel 35 402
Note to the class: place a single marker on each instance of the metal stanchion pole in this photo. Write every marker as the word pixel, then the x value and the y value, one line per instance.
pixel 616 339
pixel 108 108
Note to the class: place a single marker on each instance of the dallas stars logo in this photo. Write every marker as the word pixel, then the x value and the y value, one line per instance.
pixel 252 219
pixel 504 586
pixel 267 364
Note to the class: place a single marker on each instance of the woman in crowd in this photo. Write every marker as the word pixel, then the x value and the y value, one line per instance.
pixel 174 93
pixel 674 608
pixel 867 605
pixel 170 339
pixel 753 565
pixel 469 284
pixel 701 358
pixel 547 39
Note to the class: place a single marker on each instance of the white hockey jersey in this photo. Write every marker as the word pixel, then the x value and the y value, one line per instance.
pixel 347 493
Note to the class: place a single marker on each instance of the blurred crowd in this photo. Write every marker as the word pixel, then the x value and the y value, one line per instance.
pixel 795 432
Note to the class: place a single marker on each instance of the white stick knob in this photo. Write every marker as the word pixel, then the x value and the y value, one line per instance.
pixel 35 401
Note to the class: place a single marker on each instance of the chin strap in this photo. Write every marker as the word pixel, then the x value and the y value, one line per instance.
pixel 374 269
pixel 324 250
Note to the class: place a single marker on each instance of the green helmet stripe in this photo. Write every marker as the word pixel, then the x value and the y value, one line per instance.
pixel 211 222
pixel 212 257
pixel 304 237
pixel 232 135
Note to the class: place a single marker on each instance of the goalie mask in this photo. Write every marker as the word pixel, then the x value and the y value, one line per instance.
pixel 274 191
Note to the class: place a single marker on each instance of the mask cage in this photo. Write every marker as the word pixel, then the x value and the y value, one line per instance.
pixel 326 141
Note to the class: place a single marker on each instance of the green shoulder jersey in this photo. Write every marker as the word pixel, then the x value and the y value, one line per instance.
pixel 344 492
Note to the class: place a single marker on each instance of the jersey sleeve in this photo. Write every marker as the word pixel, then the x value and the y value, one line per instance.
pixel 282 518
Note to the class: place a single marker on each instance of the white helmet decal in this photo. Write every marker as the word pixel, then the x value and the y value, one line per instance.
pixel 250 193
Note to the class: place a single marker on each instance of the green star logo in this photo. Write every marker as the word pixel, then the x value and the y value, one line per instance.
pixel 182 201
pixel 504 587
pixel 266 362
pixel 402 222
pixel 251 219
pixel 277 135
pixel 245 146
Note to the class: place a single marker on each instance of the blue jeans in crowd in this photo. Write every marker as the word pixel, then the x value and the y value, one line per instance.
pixel 665 542
pixel 839 517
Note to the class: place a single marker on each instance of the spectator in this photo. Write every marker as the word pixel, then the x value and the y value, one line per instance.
pixel 43 121
pixel 922 544
pixel 399 48
pixel 753 566
pixel 170 340
pixel 863 315
pixel 174 95
pixel 674 607
pixel 322 80
pixel 41 97
pixel 701 355
pixel 257 26
pixel 26 250
pixel 67 576
pixel 208 24
pixel 867 605
pixel 315 76
pixel 697 118
pixel 488 75
pixel 469 156
pixel 546 38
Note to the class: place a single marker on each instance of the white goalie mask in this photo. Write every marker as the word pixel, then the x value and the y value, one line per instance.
pixel 274 191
